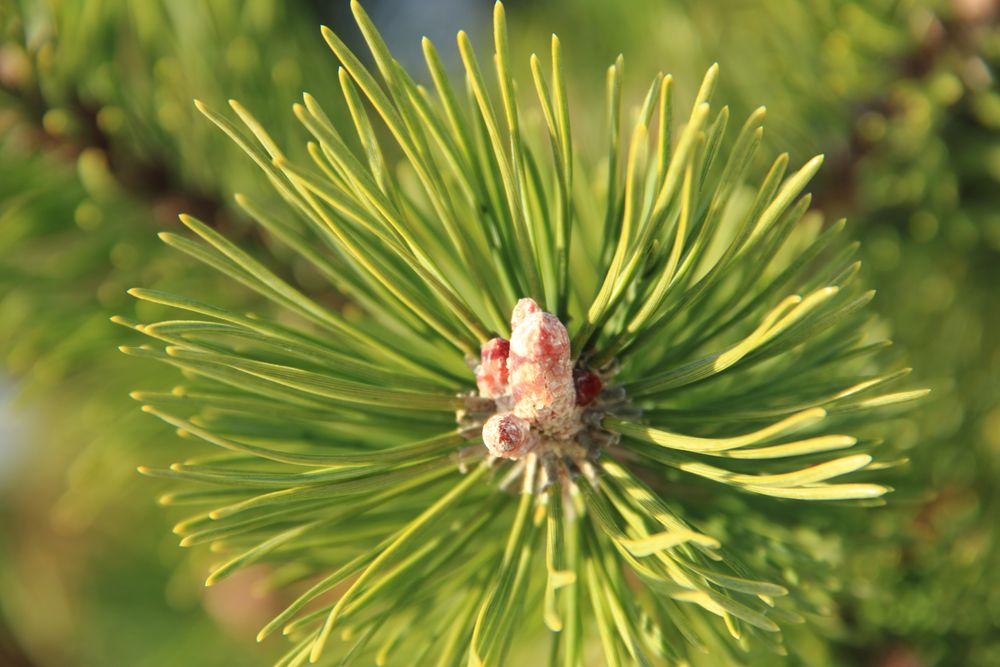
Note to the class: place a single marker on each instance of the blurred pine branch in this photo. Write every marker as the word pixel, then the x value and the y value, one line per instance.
pixel 719 317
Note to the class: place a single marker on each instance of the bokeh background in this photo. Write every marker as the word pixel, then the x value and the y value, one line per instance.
pixel 100 148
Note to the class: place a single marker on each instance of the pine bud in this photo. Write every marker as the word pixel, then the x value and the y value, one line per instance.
pixel 507 435
pixel 541 372
pixel 588 386
pixel 491 374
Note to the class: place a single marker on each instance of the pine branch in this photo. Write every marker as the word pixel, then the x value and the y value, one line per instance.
pixel 708 331
pixel 146 180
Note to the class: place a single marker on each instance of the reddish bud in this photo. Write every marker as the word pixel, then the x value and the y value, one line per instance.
pixel 530 378
pixel 491 375
pixel 541 375
pixel 588 386
pixel 507 436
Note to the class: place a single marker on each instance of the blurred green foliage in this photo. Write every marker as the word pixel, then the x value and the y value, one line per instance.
pixel 100 148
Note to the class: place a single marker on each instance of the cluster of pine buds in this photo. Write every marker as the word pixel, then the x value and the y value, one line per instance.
pixel 538 395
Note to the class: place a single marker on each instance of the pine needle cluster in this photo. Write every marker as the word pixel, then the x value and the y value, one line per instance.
pixel 726 323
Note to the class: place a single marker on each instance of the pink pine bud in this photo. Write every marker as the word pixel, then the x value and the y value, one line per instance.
pixel 507 436
pixel 491 374
pixel 541 375
pixel 523 308
pixel 588 386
